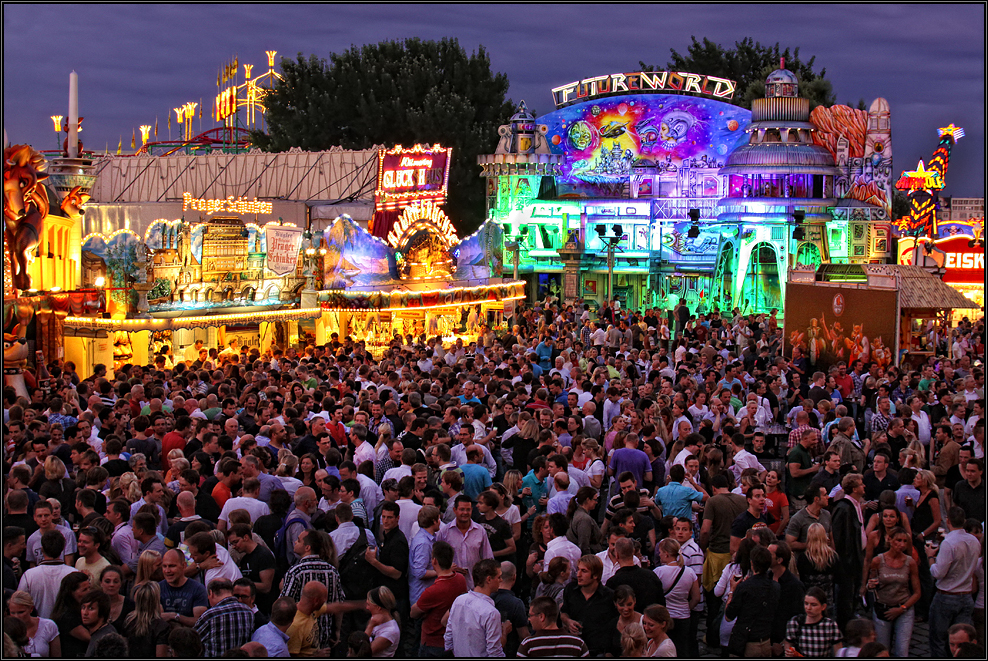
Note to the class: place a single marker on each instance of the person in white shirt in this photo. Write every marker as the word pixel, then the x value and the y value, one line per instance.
pixel 559 545
pixel 922 418
pixel 744 459
pixel 212 558
pixel 409 517
pixel 43 582
pixel 363 450
pixel 609 556
pixel 250 501
pixel 474 626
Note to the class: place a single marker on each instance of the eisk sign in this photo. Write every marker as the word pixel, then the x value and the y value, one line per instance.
pixel 283 245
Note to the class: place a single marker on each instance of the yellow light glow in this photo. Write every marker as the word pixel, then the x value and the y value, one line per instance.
pixel 57 120
pixel 179 114
pixel 422 216
pixel 145 132
pixel 247 69
pixel 271 54
pixel 100 282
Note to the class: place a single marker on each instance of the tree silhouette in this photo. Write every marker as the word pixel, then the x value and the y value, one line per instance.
pixel 395 92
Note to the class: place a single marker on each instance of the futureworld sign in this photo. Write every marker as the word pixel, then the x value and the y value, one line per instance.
pixel 643 81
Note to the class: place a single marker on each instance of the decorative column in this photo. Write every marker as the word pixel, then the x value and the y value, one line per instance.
pixel 571 255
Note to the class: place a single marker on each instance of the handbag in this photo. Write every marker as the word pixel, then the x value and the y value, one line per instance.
pixel 739 639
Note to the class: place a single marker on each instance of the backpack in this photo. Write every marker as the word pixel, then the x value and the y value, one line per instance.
pixel 281 541
pixel 357 577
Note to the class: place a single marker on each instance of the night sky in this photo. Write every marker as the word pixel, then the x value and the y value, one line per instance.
pixel 137 62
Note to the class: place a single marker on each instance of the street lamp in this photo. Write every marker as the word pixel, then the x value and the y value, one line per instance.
pixel 514 245
pixel 611 242
pixel 694 230
pixel 798 216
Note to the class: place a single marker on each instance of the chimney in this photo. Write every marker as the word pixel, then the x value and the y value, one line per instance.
pixel 782 63
pixel 73 145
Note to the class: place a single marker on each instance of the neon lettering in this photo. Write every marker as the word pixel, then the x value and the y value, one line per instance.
pixel 692 82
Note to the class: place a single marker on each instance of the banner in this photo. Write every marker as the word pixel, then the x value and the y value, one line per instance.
pixel 283 247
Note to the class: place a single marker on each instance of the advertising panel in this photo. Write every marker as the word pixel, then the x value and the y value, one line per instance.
pixel 283 246
pixel 830 324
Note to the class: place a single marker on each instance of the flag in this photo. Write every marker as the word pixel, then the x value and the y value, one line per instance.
pixel 133 139
pixel 155 128
pixel 169 115
pixel 120 146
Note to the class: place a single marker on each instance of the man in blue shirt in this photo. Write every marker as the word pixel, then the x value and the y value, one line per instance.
pixel 676 498
pixel 274 634
pixel 534 483
pixel 544 352
pixel 476 477
pixel 468 394
pixel 420 553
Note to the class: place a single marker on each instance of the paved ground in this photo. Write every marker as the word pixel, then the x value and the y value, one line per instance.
pixel 919 648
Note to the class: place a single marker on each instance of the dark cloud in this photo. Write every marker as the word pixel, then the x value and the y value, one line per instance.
pixel 137 62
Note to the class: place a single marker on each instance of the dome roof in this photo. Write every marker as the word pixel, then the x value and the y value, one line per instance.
pixel 522 114
pixel 782 76
pixel 780 158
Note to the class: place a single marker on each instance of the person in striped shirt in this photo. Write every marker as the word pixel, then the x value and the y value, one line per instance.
pixel 548 639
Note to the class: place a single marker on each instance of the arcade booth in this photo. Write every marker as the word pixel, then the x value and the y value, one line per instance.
pixel 882 312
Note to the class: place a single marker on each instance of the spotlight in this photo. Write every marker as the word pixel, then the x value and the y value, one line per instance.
pixel 524 230
pixel 798 215
pixel 618 231
pixel 798 234
pixel 694 215
pixel 100 282
pixel 693 232
pixel 601 231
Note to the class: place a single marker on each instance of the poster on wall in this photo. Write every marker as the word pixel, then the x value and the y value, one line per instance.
pixel 283 246
pixel 831 324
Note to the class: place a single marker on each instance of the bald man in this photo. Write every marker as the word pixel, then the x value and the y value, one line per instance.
pixel 185 503
pixel 303 634
pixel 255 650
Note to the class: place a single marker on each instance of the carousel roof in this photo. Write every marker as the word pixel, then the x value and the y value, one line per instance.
pixel 780 158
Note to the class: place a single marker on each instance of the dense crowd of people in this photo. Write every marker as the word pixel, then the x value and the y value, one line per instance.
pixel 583 483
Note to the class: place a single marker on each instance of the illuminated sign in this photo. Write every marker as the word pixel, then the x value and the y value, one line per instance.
pixel 965 261
pixel 409 175
pixel 643 81
pixel 229 205
pixel 920 179
pixel 424 216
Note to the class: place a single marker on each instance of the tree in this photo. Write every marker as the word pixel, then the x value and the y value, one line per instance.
pixel 900 205
pixel 395 92
pixel 748 64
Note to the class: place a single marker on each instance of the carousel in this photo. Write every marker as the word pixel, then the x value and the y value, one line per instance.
pixel 421 281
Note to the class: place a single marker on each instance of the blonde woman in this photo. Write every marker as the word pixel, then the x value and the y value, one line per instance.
pixel 148 569
pixel 42 633
pixel 383 628
pixel 57 484
pixel 926 517
pixel 145 629
pixel 173 470
pixel 633 640
pixel 682 591
pixel 595 469
pixel 819 565
pixel 287 467
pixel 129 488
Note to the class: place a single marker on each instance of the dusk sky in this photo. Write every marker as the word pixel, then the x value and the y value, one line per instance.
pixel 137 62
